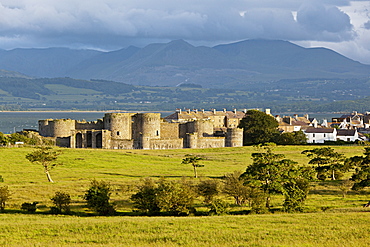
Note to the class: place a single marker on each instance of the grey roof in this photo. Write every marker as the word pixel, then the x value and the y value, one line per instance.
pixel 344 132
pixel 319 130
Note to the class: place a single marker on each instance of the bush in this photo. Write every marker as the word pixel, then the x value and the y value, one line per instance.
pixel 1 179
pixel 29 207
pixel 170 197
pixel 208 189
pixel 258 202
pixel 4 196
pixel 218 207
pixel 97 197
pixel 234 186
pixel 61 201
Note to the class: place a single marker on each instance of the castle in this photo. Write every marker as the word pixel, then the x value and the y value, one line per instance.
pixel 148 131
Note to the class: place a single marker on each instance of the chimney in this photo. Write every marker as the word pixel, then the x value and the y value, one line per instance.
pixel 178 110
pixel 214 111
pixel 245 111
pixel 268 111
pixel 234 110
pixel 202 110
pixel 296 116
pixel 196 110
pixel 306 116
pixel 224 109
pixel 188 110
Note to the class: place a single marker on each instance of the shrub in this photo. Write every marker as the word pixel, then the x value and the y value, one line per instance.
pixel 4 196
pixel 208 189
pixel 1 179
pixel 29 207
pixel 258 201
pixel 170 197
pixel 61 201
pixel 234 186
pixel 218 207
pixel 97 197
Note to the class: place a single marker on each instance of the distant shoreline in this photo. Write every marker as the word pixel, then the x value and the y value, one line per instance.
pixel 108 111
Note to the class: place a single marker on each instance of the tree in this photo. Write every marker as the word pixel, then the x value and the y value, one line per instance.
pixel 235 187
pixel 172 197
pixel 97 197
pixel 329 162
pixel 4 196
pixel 258 127
pixel 208 189
pixel 361 176
pixel 194 161
pixel 61 201
pixel 3 139
pixel 46 157
pixel 296 188
pixel 291 138
pixel 273 174
pixel 18 137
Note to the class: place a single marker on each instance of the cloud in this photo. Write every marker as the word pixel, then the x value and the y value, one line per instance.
pixel 111 24
pixel 325 23
pixel 367 25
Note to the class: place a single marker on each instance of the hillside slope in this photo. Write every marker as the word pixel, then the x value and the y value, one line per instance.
pixel 236 65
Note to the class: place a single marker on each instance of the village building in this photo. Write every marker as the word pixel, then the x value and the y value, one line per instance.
pixel 352 120
pixel 321 135
pixel 295 123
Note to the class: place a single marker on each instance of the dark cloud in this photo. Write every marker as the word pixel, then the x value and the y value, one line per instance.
pixel 367 25
pixel 110 24
pixel 324 22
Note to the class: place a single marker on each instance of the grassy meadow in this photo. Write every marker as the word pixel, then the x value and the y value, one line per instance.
pixel 329 219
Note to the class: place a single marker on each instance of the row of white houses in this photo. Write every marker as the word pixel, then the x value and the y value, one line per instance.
pixel 320 135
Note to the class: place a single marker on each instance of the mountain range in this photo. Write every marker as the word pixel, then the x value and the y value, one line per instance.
pixel 235 65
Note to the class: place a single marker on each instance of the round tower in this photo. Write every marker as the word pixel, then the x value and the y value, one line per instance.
pixel 62 127
pixel 203 127
pixel 120 125
pixel 234 137
pixel 149 124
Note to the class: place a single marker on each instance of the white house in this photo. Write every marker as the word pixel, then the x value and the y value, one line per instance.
pixel 350 135
pixel 320 135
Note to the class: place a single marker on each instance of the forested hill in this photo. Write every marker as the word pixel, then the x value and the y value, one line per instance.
pixel 237 65
pixel 304 95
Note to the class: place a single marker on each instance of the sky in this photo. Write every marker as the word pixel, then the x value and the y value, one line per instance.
pixel 341 25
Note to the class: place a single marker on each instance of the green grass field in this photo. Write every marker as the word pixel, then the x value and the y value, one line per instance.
pixel 331 219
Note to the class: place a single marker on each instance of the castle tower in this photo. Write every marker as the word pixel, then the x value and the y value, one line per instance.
pixel 234 137
pixel 120 125
pixel 147 126
pixel 56 127
pixel 201 127
pixel 44 128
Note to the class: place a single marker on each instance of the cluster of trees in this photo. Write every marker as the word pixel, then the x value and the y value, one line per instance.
pixel 260 127
pixel 25 137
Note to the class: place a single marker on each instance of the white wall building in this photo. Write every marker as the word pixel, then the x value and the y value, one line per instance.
pixel 320 135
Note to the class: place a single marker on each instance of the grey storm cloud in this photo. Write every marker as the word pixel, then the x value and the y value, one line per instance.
pixel 116 22
pixel 367 25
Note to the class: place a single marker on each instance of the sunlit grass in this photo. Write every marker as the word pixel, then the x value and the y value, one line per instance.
pixel 323 229
pixel 28 183
pixel 332 220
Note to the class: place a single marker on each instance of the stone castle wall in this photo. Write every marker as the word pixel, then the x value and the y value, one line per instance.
pixel 137 131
